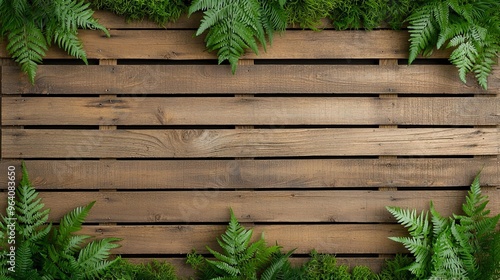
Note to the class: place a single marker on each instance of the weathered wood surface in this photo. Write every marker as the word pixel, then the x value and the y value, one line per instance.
pixel 272 79
pixel 181 239
pixel 258 174
pixel 196 143
pixel 209 206
pixel 249 111
pixel 293 44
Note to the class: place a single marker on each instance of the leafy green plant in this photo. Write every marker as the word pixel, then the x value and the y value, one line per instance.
pixel 325 267
pixel 32 26
pixel 43 251
pixel 395 269
pixel 235 25
pixel 160 12
pixel 458 247
pixel 308 13
pixel 471 28
pixel 357 14
pixel 124 270
pixel 240 259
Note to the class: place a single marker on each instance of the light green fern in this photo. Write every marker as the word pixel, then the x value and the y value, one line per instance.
pixel 236 25
pixel 31 27
pixel 458 247
pixel 48 252
pixel 240 259
pixel 471 29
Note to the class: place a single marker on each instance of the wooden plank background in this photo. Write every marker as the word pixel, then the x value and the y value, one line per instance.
pixel 308 142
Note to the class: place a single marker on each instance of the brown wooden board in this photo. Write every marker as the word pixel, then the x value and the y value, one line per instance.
pixel 196 143
pixel 257 174
pixel 181 239
pixel 210 206
pixel 293 44
pixel 249 111
pixel 275 79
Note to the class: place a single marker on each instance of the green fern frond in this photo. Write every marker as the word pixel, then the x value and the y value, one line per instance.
pixel 418 225
pixel 92 259
pixel 69 224
pixel 423 31
pixel 27 46
pixel 277 265
pixel 233 27
pixel 446 261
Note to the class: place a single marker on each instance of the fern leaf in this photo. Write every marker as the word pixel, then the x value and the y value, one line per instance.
pixel 418 225
pixel 92 258
pixel 277 264
pixel 423 31
pixel 27 47
pixel 68 41
pixel 235 25
pixel 70 223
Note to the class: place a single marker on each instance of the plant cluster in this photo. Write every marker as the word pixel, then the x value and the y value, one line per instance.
pixel 236 25
pixel 161 12
pixel 124 270
pixel 458 247
pixel 240 258
pixel 43 251
pixel 32 26
pixel 471 28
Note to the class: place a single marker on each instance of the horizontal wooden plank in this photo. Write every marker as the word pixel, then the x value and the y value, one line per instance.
pixel 253 206
pixel 197 143
pixel 257 174
pixel 293 44
pixel 249 111
pixel 182 239
pixel 274 79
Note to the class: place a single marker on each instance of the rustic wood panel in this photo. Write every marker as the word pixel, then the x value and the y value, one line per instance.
pixel 181 239
pixel 253 206
pixel 50 143
pixel 258 174
pixel 210 79
pixel 249 111
pixel 293 44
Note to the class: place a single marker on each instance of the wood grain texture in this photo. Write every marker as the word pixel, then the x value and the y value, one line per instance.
pixel 249 111
pixel 258 174
pixel 209 206
pixel 50 143
pixel 181 239
pixel 293 44
pixel 275 79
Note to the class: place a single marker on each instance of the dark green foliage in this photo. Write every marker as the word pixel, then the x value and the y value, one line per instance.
pixel 159 11
pixel 395 269
pixel 309 13
pixel 44 251
pixel 356 14
pixel 458 247
pixel 240 259
pixel 32 26
pixel 398 10
pixel 471 28
pixel 236 25
pixel 154 270
pixel 325 267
